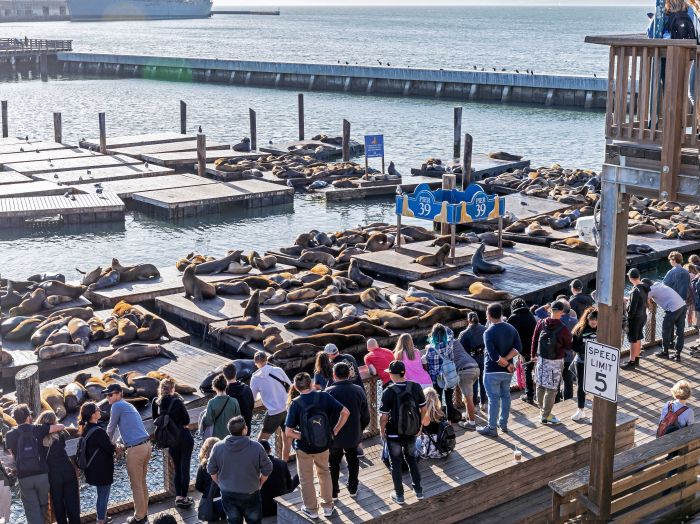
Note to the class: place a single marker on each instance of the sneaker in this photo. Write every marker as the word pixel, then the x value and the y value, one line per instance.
pixel 487 431
pixel 328 512
pixel 503 428
pixel 579 415
pixel 527 399
pixel 134 520
pixel 309 513
pixel 469 425
pixel 185 502
pixel 662 354
pixel 676 357
pixel 419 493
pixel 353 493
pixel 551 419
pixel 397 498
pixel 630 366
pixel 335 496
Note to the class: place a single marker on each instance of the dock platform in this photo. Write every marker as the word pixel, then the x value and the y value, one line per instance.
pixel 10 177
pixel 30 146
pixel 44 155
pixel 167 147
pixel 533 273
pixel 114 142
pixel 482 166
pixel 128 187
pixel 212 198
pixel 32 188
pixel 308 147
pixel 17 212
pixel 189 158
pixel 100 174
pixel 71 164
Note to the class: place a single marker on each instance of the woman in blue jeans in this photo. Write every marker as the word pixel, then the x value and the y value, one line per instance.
pixel 99 453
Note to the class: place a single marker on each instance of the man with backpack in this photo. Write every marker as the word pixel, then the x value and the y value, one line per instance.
pixel 135 439
pixel 402 409
pixel 345 443
pixel 550 342
pixel 314 419
pixel 676 414
pixel 32 470
pixel 241 392
pixel 270 384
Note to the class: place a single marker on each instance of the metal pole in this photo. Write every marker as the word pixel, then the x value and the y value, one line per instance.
pixel 103 133
pixel 500 232
pixel 467 161
pixel 57 128
pixel 3 104
pixel 253 130
pixel 457 132
pixel 183 117
pixel 201 154
pixel 300 103
pixel 346 141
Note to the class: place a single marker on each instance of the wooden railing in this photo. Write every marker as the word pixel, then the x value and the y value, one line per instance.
pixel 31 45
pixel 659 475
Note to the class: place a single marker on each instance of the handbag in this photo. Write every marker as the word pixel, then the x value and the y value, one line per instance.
pixel 206 511
pixel 208 431
pixel 520 374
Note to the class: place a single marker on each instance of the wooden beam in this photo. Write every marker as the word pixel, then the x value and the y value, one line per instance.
pixel 183 117
pixel 27 388
pixel 3 104
pixel 448 182
pixel 253 130
pixel 457 133
pixel 673 120
pixel 467 161
pixel 103 133
pixel 346 141
pixel 57 128
pixel 300 108
pixel 201 154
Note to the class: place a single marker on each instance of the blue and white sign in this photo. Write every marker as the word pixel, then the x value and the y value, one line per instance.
pixel 450 206
pixel 374 146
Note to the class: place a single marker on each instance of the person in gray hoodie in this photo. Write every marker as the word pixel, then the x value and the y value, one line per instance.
pixel 240 467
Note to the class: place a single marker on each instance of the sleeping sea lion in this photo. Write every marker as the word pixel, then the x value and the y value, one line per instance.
pixel 5 357
pixel 447 239
pixel 363 328
pixel 518 226
pixel 43 277
pixel 641 229
pixel 278 297
pixel 481 292
pixel 341 341
pixel 264 263
pixel 74 394
pixel 54 398
pixel 54 301
pixel 251 313
pixel 195 288
pixel 126 332
pixel 288 310
pixel 377 242
pixel 219 265
pixel 108 279
pixel 260 282
pixel 491 239
pixel 11 299
pixel 48 326
pixel 304 293
pixel 79 332
pixel 576 243
pixel 458 281
pixel 233 287
pixel 372 299
pixel 340 298
pixel 152 329
pixel 313 321
pixel 59 350
pixel 480 266
pixel 142 385
pixel 11 323
pixel 689 233
pixel 135 351
pixel 535 230
pixel 23 330
pixel 435 260
pixel 182 389
pixel 316 257
pixel 94 387
pixel 236 268
pixel 58 336
pixel 30 305
pixel 84 313
pixel 441 314
pixel 343 322
pixel 415 295
pixel 414 310
pixel 247 333
pixel 54 287
pixel 135 273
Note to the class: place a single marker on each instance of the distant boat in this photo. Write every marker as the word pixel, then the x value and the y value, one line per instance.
pixel 95 10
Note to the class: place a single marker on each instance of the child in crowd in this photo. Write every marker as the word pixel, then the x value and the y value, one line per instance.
pixel 681 392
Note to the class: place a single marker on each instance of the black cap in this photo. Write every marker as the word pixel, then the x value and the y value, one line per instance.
pixel 576 284
pixel 634 273
pixel 112 388
pixel 557 306
pixel 396 367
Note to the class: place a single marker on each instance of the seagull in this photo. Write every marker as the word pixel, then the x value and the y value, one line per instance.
pixel 66 194
pixel 98 184
pixel 55 175
pixel 482 68
pixel 595 76
pixel 199 129
pixel 80 177
pixel 474 68
pixel 98 191
pixel 347 63
pixel 26 138
pixel 388 64
pixel 50 163
pixel 517 71
pixel 532 72
pixel 503 69
pixel 21 149
pixel 380 62
pixel 145 164
pixel 89 172
pixel 494 68
pixel 338 61
pixel 36 150
pixel 269 142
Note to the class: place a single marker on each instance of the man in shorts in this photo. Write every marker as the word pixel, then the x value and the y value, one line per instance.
pixel 270 384
pixel 636 317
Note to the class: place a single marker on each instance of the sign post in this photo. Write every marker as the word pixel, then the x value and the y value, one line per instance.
pixel 602 370
pixel 374 148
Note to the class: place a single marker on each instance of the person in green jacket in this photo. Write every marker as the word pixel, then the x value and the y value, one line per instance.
pixel 221 408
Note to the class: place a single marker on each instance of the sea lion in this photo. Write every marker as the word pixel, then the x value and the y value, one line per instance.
pixel 182 389
pixel 74 394
pixel 152 329
pixel 232 287
pixel 196 288
pixel 340 298
pixel 363 328
pixel 251 313
pixel 316 320
pixel 641 229
pixel 94 387
pixel 356 275
pixel 59 350
pixel 502 155
pixel 245 368
pixel 90 277
pixel 5 357
pixel 458 281
pixel 135 351
pixel 417 233
pixel 54 301
pixel 43 277
pixel 304 293
pixel 83 313
pixel 535 230
pixel 236 268
pixel 481 292
pixel 55 287
pixel 287 310
pixel 278 297
pixel 491 239
pixel 343 322
pixel 247 332
pixel 108 279
pixel 639 249
pixel 559 223
pixel 58 336
pixel 142 385
pixel 442 315
pixel 341 341
pixel 689 234
pixel 11 323
pixel 48 326
pixel 11 299
pixel 264 263
pixel 414 295
pixel 260 282
pixel 54 398
pixel 23 330
pixel 126 332
pixel 410 311
pixel 316 257
pixel 79 332
pixel 576 243
pixel 377 242
pixel 480 266
pixel 371 298
pixel 518 226
pixel 30 305
pixel 218 265
pixel 135 273
pixel 435 260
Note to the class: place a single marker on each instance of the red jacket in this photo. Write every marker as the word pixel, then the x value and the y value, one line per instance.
pixel 564 341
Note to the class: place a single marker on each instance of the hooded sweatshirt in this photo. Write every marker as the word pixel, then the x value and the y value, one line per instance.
pixel 637 304
pixel 246 402
pixel 524 323
pixel 564 341
pixel 239 462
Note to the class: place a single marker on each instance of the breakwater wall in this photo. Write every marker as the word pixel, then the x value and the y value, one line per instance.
pixel 548 90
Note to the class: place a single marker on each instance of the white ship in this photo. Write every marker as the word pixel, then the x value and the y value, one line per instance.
pixel 83 10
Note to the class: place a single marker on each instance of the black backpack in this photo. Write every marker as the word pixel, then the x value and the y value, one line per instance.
pixel 28 460
pixel 680 26
pixel 446 439
pixel 315 426
pixel 407 412
pixel 547 343
pixel 81 459
pixel 167 433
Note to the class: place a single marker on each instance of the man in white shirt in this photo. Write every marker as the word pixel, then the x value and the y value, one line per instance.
pixel 270 384
pixel 675 308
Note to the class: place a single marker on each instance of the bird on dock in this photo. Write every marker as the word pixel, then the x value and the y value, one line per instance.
pixel 517 71
pixel 36 151
pixel 532 72
pixel 503 69
pixel 494 68
pixel 388 64
pixel 269 142
pixel 595 76
pixel 89 172
pixel 50 162
pixel 474 68
pixel 21 150
pixel 55 175
pixel 80 177
pixel 66 194
pixel 199 129
pixel 347 63
pixel 380 62
pixel 482 68
pixel 145 164
pixel 26 138
pixel 338 61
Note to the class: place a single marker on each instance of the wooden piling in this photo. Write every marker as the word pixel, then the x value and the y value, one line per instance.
pixel 300 104
pixel 448 182
pixel 27 388
pixel 457 132
pixel 57 128
pixel 467 161
pixel 3 104
pixel 346 141
pixel 201 154
pixel 44 66
pixel 183 117
pixel 103 133
pixel 253 130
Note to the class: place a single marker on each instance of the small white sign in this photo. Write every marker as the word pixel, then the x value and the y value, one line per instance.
pixel 601 370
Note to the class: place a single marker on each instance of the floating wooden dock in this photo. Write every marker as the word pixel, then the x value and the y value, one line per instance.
pixel 30 146
pixel 127 188
pixel 212 198
pixel 7 159
pixel 168 147
pixel 189 158
pixel 534 273
pixel 308 147
pixel 26 189
pixel 137 140
pixel 10 177
pixel 17 212
pixel 71 164
pixel 100 174
pixel 482 166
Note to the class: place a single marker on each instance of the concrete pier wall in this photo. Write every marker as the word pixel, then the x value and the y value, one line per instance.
pixel 548 90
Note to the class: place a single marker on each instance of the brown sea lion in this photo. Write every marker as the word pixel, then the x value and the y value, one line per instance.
pixel 58 336
pixel 48 326
pixel 260 282
pixel 126 332
pixel 54 398
pixel 5 357
pixel 30 305
pixel 219 265
pixel 251 313
pixel 298 351
pixel 481 292
pixel 341 341
pixel 364 328
pixel 535 230
pixel 275 343
pixel 356 275
pixel 152 329
pixel 59 350
pixel 343 322
pixel 441 314
pixel 303 294
pixel 135 351
pixel 142 385
pixel 322 282
pixel 371 298
pixel 340 298
pixel 265 262
pixel 313 321
pixel 316 257
pixel 576 243
pixel 80 332
pixel 232 287
pixel 74 394
pixel 111 327
pixel 288 310
pixel 447 239
pixel 135 273
pixel 392 320
pixel 518 226
pixel 90 277
pixel 94 387
pixel 491 239
pixel 435 260
pixel 55 287
pixel 84 313
pixel 195 288
pixel 24 330
pixel 480 266
pixel 641 229
pixel 377 242
pixel 278 297
pixel 414 310
pixel 182 389
pixel 459 281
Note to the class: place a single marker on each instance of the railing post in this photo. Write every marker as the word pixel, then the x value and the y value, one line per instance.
pixel 457 145
pixel 3 105
pixel 201 154
pixel 371 386
pixel 57 128
pixel 103 132
pixel 183 118
pixel 673 125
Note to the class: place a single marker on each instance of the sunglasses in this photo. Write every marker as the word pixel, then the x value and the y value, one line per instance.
pixel 111 394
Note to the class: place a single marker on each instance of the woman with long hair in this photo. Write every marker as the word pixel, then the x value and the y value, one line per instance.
pixel 169 402
pixel 586 329
pixel 434 415
pixel 406 352
pixel 203 483
pixel 439 351
pixel 323 371
pixel 63 483
pixel 99 454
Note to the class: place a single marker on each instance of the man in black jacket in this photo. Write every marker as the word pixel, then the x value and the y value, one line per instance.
pixel 636 317
pixel 524 323
pixel 278 483
pixel 345 443
pixel 242 393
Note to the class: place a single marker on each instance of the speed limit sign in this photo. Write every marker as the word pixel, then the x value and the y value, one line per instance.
pixel 601 370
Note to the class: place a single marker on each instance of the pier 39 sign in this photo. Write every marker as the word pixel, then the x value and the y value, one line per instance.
pixel 601 370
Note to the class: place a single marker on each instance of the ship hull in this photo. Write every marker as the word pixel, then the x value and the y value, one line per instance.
pixel 98 10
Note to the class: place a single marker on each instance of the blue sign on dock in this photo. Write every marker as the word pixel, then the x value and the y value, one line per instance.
pixel 450 206
pixel 374 146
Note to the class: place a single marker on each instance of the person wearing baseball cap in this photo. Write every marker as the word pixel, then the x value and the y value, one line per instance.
pixel 335 356
pixel 402 409
pixel 135 439
pixel 579 301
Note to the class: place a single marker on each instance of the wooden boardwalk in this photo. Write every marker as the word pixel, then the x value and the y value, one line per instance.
pixel 15 212
pixel 36 188
pixel 533 273
pixel 7 159
pixel 101 174
pixel 127 188
pixel 168 147
pixel 71 164
pixel 137 140
pixel 188 158
pixel 30 146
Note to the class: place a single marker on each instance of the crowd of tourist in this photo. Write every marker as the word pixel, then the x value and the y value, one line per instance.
pixel 323 417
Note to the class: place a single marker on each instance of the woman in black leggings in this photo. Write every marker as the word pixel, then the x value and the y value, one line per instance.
pixel 170 402
pixel 586 329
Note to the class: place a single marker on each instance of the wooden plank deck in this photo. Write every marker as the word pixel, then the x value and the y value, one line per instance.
pixel 46 155
pixel 127 188
pixel 37 188
pixel 533 273
pixel 10 177
pixel 71 164
pixel 11 140
pixel 304 147
pixel 168 147
pixel 101 174
pixel 31 146
pixel 187 158
pixel 137 140
pixel 85 208
pixel 482 166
